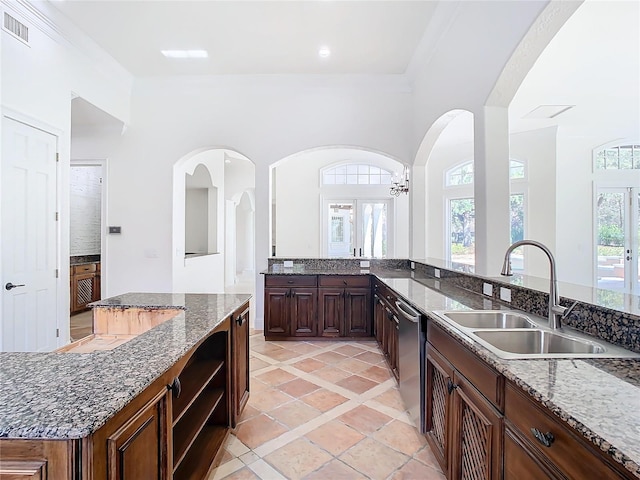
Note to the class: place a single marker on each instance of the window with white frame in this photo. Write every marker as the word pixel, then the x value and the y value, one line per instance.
pixel 356 174
pixel 461 211
pixel 619 157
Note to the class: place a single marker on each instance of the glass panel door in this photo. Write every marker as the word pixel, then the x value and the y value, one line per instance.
pixel 358 228
pixel 374 217
pixel 617 248
pixel 340 241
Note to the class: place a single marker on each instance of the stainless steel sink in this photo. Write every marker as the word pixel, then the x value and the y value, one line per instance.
pixel 489 319
pixel 514 335
pixel 537 342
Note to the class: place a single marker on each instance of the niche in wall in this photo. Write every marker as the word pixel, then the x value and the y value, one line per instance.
pixel 201 217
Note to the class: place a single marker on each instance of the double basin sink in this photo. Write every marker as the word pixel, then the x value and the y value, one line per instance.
pixel 515 335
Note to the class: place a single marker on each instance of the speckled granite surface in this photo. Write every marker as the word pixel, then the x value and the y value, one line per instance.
pixel 598 397
pixel 71 395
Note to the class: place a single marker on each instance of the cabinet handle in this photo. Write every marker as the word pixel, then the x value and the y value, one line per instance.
pixel 289 282
pixel 290 293
pixel 240 319
pixel 545 439
pixel 175 387
pixel 347 294
pixel 344 281
pixel 451 386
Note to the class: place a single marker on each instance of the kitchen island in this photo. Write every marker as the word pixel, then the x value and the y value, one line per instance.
pixel 153 402
pixel 595 403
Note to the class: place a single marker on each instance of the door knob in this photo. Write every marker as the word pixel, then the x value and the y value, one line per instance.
pixel 11 286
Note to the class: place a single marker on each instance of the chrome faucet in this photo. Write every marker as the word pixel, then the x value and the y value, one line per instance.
pixel 556 311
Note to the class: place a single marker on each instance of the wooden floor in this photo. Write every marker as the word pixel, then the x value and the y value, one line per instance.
pixel 81 325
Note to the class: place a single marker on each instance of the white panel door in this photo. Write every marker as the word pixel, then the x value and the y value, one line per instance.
pixel 29 243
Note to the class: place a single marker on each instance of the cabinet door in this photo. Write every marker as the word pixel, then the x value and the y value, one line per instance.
pixel 138 449
pixel 378 319
pixel 303 313
pixel 476 434
pixel 276 311
pixel 439 374
pixel 240 363
pixel 331 315
pixel 357 312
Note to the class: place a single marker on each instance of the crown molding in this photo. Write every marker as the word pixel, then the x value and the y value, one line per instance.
pixel 52 23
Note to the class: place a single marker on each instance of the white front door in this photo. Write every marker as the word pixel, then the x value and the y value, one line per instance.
pixel 29 239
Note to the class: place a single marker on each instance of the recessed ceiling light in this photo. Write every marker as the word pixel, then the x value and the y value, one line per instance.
pixel 185 53
pixel 324 52
pixel 226 160
pixel 548 111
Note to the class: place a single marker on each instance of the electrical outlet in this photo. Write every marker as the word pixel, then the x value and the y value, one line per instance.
pixel 288 264
pixel 364 263
pixel 505 294
pixel 436 272
pixel 487 289
pixel 413 265
pixel 437 285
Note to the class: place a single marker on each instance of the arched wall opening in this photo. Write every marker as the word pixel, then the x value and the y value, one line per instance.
pixel 208 184
pixel 552 66
pixel 302 202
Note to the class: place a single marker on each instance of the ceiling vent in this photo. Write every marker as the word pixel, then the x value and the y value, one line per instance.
pixel 15 28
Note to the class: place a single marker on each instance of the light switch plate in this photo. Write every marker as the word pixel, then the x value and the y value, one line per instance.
pixel 288 264
pixel 437 285
pixel 487 289
pixel 505 294
pixel 436 272
pixel 364 263
pixel 413 265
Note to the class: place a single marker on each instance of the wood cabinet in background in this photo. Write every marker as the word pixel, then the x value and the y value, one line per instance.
pixel 85 285
pixel 344 306
pixel 332 306
pixel 387 326
pixel 291 305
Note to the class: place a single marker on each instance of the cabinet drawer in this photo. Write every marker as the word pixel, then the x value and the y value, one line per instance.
pixel 291 280
pixel 344 280
pixel 86 268
pixel 573 457
pixel 486 379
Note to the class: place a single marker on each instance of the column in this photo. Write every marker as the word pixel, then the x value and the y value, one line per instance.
pixel 491 189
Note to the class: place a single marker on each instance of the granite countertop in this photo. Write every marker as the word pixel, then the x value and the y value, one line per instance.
pixel 71 395
pixel 598 397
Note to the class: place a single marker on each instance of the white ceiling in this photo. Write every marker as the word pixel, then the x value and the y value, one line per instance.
pixel 255 37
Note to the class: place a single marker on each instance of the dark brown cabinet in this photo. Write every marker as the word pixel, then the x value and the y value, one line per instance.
pixel 464 426
pixel 387 326
pixel 290 306
pixel 138 449
pixel 331 306
pixel 535 438
pixel 345 306
pixel 85 285
pixel 240 374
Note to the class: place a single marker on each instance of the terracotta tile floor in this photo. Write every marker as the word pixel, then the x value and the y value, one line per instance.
pixel 324 411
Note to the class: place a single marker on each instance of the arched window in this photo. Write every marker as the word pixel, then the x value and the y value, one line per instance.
pixel 356 174
pixel 620 157
pixel 463 174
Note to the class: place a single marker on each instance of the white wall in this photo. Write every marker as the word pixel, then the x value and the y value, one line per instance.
pixel 300 200
pixel 39 81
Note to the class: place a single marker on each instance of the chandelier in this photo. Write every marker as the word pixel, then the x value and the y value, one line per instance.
pixel 400 185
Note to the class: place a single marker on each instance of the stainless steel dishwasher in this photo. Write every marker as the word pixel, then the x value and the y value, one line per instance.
pixel 412 346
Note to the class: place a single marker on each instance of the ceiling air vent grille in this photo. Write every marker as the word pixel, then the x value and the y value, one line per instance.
pixel 17 29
